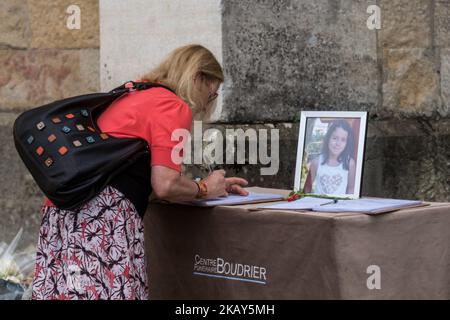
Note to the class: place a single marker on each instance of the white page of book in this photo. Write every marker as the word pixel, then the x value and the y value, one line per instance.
pixel 367 205
pixel 237 199
pixel 306 203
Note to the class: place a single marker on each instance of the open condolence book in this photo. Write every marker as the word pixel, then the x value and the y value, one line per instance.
pixel 363 205
pixel 234 199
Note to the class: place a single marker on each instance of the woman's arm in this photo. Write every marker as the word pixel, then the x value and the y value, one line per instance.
pixel 168 184
pixel 351 177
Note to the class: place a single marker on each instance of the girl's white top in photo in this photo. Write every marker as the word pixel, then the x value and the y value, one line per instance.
pixel 330 179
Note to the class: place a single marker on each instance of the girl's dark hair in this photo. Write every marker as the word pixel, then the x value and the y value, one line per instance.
pixel 347 154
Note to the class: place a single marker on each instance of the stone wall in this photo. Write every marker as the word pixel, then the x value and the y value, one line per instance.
pixel 41 61
pixel 137 34
pixel 280 57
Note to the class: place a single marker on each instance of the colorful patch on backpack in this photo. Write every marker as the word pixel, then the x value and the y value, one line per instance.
pixel 40 151
pixel 49 161
pixel 51 138
pixel 63 150
pixel 40 125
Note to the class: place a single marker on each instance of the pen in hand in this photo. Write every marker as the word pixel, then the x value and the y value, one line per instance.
pixel 210 169
pixel 233 185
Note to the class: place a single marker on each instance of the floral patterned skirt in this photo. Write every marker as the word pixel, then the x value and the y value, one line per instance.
pixel 94 252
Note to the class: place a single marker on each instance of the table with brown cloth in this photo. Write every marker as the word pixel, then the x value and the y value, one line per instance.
pixel 231 252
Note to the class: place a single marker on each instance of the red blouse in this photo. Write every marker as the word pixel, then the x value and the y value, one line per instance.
pixel 152 115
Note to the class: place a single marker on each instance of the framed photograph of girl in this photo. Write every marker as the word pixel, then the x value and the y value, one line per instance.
pixel 330 153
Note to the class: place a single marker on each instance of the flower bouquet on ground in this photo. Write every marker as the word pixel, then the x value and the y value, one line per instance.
pixel 15 270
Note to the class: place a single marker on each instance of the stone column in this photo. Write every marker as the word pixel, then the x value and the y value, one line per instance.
pixel 136 34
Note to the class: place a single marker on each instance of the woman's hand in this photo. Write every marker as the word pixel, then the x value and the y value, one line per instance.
pixel 235 185
pixel 218 185
pixel 169 185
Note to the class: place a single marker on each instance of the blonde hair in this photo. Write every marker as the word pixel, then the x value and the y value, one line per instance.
pixel 178 70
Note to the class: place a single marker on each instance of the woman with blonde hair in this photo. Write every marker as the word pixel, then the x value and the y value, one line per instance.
pixel 97 250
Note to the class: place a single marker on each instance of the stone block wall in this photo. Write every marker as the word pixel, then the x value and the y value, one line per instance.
pixel 280 57
pixel 283 57
pixel 41 60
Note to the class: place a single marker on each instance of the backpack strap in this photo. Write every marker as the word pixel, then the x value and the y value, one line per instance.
pixel 132 86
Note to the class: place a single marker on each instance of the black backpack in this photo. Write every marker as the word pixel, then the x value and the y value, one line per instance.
pixel 70 159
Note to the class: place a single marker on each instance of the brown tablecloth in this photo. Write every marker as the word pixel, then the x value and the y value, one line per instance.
pixel 231 252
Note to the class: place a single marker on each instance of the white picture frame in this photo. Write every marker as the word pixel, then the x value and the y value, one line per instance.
pixel 327 168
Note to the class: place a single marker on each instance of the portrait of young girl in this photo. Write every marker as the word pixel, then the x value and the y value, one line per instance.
pixel 332 171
